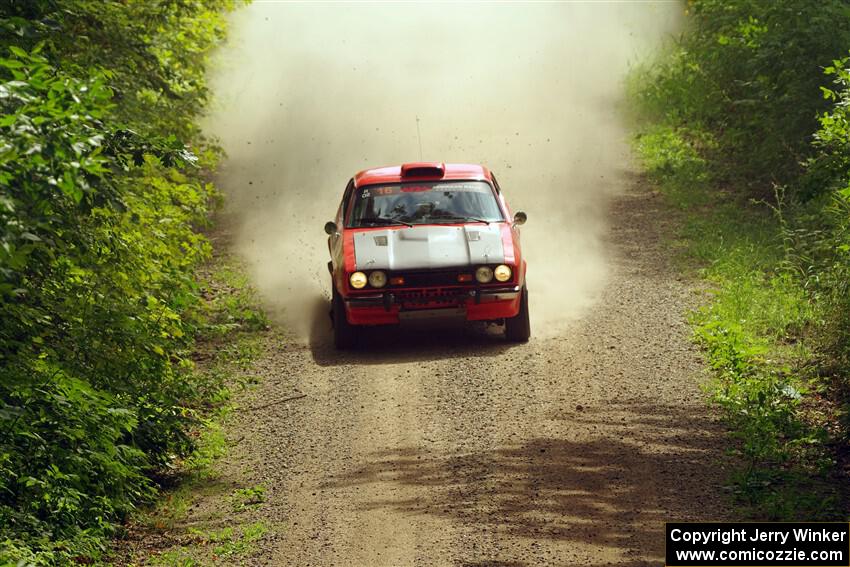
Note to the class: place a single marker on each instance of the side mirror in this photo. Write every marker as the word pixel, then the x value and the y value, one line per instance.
pixel 520 218
pixel 330 227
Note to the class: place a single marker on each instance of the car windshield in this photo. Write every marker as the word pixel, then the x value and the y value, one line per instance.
pixel 430 202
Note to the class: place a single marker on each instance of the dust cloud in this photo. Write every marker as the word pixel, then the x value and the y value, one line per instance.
pixel 306 94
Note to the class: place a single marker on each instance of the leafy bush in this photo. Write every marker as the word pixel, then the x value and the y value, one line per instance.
pixel 749 72
pixel 745 137
pixel 101 194
pixel 831 166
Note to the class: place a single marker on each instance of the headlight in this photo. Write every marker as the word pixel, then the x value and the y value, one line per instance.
pixel 502 273
pixel 357 280
pixel 377 279
pixel 484 274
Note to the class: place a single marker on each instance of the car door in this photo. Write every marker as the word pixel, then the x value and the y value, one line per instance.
pixel 335 241
pixel 515 232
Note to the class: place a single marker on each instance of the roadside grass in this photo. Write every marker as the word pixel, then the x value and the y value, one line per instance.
pixel 752 326
pixel 209 546
pixel 231 337
pixel 247 498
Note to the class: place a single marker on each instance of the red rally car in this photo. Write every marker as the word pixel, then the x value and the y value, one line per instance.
pixel 426 240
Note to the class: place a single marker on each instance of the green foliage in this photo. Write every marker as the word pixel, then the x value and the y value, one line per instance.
pixel 831 166
pixel 211 546
pixel 671 156
pixel 232 304
pixel 228 542
pixel 101 195
pixel 751 329
pixel 245 498
pixel 749 72
pixel 746 140
pixel 153 50
pixel 225 352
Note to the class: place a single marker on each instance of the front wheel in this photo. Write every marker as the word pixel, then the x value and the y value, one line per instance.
pixel 345 336
pixel 518 328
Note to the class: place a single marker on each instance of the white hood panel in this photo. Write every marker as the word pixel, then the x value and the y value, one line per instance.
pixel 428 246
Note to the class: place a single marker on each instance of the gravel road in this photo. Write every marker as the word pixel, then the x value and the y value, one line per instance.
pixel 435 447
pixel 455 448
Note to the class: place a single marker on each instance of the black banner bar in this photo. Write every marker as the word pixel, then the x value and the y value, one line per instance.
pixel 758 544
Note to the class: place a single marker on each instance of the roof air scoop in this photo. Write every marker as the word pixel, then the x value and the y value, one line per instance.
pixel 423 169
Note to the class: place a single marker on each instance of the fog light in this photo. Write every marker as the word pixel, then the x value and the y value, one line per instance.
pixel 377 279
pixel 357 280
pixel 502 273
pixel 484 274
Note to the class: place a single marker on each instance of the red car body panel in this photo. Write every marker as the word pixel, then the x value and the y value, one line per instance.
pixel 451 172
pixel 479 302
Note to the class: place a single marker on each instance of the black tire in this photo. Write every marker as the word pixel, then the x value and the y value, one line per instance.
pixel 345 334
pixel 518 328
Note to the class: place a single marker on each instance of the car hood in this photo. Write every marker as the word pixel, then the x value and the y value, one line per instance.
pixel 428 246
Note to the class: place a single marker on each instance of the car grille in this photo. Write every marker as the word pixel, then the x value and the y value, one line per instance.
pixel 431 296
pixel 431 279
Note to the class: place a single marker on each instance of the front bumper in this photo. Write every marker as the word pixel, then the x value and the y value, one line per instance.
pixel 478 304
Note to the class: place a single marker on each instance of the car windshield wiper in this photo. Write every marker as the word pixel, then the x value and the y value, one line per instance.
pixel 468 219
pixel 383 220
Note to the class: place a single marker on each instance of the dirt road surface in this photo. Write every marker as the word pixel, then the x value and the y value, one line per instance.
pixel 455 448
pixel 451 447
